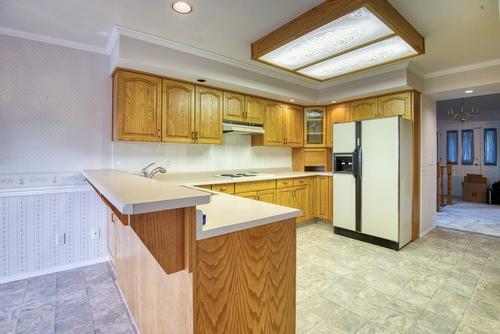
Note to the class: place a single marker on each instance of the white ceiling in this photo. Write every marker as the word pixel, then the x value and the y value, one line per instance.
pixel 458 32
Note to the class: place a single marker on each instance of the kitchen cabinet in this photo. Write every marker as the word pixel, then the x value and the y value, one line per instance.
pixel 254 110
pixel 336 113
pixel 304 157
pixel 177 111
pixel 268 196
pixel 395 104
pixel 315 127
pixel 284 197
pixel 227 188
pixel 208 116
pixel 136 107
pixel 323 196
pixel 234 107
pixel 364 109
pixel 249 195
pixel 283 125
pixel 254 186
pixel 294 126
pixel 295 197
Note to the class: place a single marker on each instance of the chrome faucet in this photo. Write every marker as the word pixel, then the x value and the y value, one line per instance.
pixel 145 173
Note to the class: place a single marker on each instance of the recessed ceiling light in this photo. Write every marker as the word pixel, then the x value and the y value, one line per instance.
pixel 469 91
pixel 333 101
pixel 182 7
pixel 291 100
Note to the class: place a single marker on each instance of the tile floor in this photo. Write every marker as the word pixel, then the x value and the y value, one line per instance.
pixel 447 282
pixel 480 218
pixel 79 301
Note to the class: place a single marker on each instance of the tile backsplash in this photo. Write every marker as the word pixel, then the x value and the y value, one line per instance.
pixel 235 153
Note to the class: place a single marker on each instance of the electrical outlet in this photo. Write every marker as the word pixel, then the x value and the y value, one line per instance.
pixel 95 233
pixel 60 239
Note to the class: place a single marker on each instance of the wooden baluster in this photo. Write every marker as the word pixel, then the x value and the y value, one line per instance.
pixel 450 192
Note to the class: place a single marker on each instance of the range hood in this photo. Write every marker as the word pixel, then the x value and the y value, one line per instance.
pixel 242 129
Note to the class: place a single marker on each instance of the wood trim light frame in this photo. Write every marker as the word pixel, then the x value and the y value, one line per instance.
pixel 340 37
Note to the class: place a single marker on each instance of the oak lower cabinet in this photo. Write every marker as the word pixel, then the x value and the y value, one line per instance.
pixel 249 195
pixel 208 116
pixel 136 107
pixel 268 196
pixel 177 112
pixel 283 125
pixel 323 197
pixel 295 197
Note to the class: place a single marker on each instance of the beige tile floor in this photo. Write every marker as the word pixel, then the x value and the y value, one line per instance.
pixel 473 217
pixel 446 282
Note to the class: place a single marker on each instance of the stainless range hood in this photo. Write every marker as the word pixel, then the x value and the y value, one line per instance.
pixel 242 129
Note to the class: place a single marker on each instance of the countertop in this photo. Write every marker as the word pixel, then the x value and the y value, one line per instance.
pixel 133 194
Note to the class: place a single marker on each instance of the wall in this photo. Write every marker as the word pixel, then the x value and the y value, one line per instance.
pixel 55 120
pixel 428 165
pixel 492 173
pixel 235 153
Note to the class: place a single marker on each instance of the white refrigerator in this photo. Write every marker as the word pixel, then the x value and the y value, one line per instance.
pixel 372 181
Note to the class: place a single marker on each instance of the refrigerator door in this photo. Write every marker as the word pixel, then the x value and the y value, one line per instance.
pixel 344 137
pixel 380 178
pixel 344 183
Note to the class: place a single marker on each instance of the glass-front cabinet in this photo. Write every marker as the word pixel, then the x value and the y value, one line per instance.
pixel 315 127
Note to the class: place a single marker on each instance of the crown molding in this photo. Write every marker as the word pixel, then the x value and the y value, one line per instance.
pixel 113 39
pixel 52 40
pixel 277 74
pixel 461 69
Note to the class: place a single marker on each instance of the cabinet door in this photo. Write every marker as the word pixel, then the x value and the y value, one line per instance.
pixel 208 116
pixel 315 127
pixel 250 195
pixel 234 107
pixel 268 196
pixel 254 110
pixel 301 201
pixel 178 112
pixel 284 197
pixel 364 109
pixel 111 234
pixel 273 125
pixel 323 197
pixel 294 126
pixel 136 107
pixel 330 200
pixel 395 104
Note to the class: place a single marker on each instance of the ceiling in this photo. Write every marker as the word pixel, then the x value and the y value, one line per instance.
pixel 458 32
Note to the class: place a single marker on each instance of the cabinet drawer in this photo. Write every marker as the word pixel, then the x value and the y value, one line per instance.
pixel 227 188
pixel 283 183
pixel 301 181
pixel 254 186
pixel 314 157
pixel 250 195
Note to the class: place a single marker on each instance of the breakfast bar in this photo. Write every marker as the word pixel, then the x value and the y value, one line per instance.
pixel 194 261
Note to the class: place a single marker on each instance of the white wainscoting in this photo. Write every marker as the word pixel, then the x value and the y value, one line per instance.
pixel 31 218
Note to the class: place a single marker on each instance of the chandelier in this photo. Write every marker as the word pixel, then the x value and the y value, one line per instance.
pixel 463 115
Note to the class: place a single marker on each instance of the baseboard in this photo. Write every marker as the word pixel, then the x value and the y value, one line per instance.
pixel 427 230
pixel 51 270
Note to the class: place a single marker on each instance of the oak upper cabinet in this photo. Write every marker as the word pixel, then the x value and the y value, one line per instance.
pixel 364 109
pixel 315 127
pixel 395 104
pixel 254 110
pixel 294 129
pixel 208 116
pixel 337 113
pixel 177 112
pixel 136 107
pixel 274 124
pixel 234 107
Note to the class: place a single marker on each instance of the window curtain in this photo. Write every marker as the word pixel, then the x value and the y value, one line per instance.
pixel 467 147
pixel 452 146
pixel 490 147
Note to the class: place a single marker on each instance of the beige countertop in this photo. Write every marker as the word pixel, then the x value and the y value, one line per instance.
pixel 133 194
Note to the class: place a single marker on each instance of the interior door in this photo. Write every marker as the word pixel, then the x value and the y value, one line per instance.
pixel 380 178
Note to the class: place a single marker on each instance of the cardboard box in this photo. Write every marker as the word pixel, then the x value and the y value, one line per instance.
pixel 474 188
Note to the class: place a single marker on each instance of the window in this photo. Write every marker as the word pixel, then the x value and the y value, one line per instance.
pixel 467 147
pixel 490 147
pixel 452 146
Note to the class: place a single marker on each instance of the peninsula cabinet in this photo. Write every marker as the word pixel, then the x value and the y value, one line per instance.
pixel 283 126
pixel 136 107
pixel 208 116
pixel 295 197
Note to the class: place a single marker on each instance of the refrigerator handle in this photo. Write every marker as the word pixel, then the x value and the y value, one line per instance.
pixel 355 163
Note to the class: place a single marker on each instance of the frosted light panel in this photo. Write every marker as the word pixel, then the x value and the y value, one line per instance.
pixel 346 32
pixel 375 54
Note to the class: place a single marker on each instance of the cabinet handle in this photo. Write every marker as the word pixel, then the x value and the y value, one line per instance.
pixel 113 218
pixel 223 189
pixel 159 133
pixel 196 135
